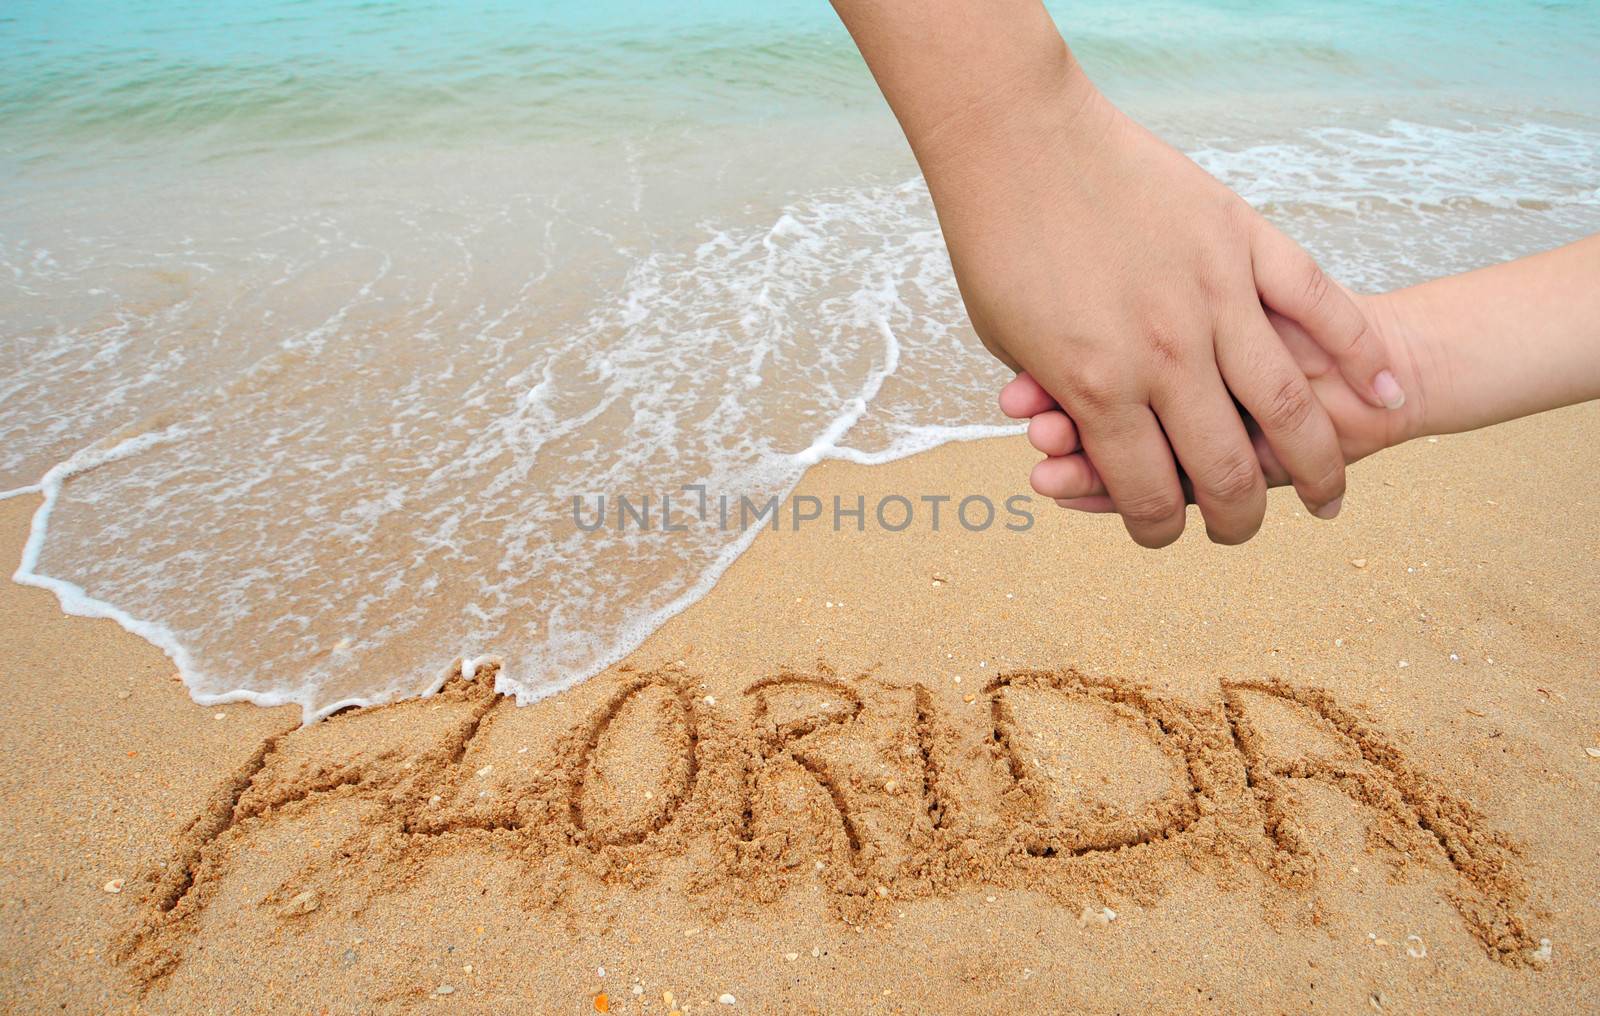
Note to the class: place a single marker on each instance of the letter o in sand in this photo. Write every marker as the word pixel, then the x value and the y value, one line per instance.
pixel 625 806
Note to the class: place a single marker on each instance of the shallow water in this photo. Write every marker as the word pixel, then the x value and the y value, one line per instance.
pixel 322 313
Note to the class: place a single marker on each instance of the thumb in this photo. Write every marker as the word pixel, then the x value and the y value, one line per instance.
pixel 1291 283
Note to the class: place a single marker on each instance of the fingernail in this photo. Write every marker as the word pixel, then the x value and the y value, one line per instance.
pixel 1388 390
pixel 1331 509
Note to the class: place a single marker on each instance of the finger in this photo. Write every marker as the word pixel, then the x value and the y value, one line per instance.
pixel 1311 358
pixel 1263 378
pixel 1292 284
pixel 1271 468
pixel 1053 433
pixel 1100 505
pixel 1023 397
pixel 1210 442
pixel 1066 476
pixel 1135 463
pixel 1097 501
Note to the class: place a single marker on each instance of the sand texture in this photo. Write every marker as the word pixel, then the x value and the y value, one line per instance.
pixel 1343 768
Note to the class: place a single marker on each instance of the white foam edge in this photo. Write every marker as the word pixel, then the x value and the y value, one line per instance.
pixel 632 636
pixel 76 601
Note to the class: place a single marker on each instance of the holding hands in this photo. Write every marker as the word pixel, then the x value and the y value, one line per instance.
pixel 1171 345
pixel 1135 289
pixel 1069 477
pixel 1129 284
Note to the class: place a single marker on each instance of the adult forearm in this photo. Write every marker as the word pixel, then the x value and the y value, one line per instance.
pixel 951 69
pixel 1509 340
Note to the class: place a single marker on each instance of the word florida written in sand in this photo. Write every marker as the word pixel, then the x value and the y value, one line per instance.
pixel 868 789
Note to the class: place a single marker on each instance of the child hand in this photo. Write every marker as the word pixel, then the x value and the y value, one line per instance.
pixel 1070 478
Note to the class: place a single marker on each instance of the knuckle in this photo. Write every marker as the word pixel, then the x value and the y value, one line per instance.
pixel 1235 478
pixel 1316 286
pixel 1165 343
pixel 1360 335
pixel 1211 279
pixel 1288 406
pixel 1098 388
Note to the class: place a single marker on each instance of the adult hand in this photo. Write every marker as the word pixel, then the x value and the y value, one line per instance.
pixel 1135 288
pixel 1120 275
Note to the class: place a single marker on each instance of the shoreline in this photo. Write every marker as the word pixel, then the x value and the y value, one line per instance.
pixel 74 601
pixel 508 853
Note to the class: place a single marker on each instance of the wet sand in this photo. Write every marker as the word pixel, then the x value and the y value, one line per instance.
pixel 1343 767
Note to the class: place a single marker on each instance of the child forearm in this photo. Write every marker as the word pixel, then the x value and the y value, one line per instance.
pixel 1507 341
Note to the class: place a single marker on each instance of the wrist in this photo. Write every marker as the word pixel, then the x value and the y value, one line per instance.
pixel 1041 93
pixel 1411 337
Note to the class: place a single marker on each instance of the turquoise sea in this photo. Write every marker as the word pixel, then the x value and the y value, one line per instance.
pixel 233 78
pixel 315 315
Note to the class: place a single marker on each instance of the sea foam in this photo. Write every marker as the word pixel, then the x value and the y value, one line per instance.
pixel 361 401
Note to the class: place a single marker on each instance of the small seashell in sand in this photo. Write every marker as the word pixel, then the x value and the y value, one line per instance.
pixel 727 999
pixel 1415 947
pixel 301 903
pixel 1358 562
pixel 114 886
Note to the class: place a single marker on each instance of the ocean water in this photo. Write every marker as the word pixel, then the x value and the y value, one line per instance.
pixel 315 316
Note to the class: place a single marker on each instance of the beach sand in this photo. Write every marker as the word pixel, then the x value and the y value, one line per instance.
pixel 1342 768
